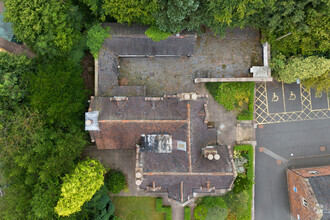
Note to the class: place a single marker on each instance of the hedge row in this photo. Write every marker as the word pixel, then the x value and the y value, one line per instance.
pixel 248 115
pixel 163 209
pixel 187 213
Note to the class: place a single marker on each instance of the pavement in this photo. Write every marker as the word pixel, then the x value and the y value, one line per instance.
pixel 283 144
pixel 230 56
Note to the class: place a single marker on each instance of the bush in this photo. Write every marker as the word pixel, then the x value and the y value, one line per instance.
pixel 80 186
pixel 166 209
pixel 187 215
pixel 95 38
pixel 115 181
pixel 156 35
pixel 241 183
pixel 234 96
pixel 200 212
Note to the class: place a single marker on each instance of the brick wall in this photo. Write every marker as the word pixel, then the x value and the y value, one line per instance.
pixel 299 189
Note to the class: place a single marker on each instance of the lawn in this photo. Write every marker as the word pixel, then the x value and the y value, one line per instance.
pixel 136 208
pixel 234 96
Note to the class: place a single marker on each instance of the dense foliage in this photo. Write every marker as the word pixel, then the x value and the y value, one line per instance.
pixel 95 37
pixel 80 186
pixel 115 181
pixel 12 84
pixel 234 96
pixel 34 152
pixel 211 207
pixel 320 84
pixel 98 208
pixel 50 27
pixel 57 92
pixel 290 70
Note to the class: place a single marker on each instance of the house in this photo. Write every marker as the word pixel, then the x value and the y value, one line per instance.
pixel 176 148
pixel 309 194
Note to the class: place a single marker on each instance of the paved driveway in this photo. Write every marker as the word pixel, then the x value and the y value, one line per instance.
pixel 301 139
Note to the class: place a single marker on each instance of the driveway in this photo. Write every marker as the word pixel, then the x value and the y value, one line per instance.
pixel 302 139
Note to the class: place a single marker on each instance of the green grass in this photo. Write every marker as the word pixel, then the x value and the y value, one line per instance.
pixel 163 209
pixel 136 208
pixel 187 213
pixel 238 96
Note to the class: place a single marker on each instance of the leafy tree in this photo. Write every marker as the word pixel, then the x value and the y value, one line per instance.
pixel 95 7
pixel 80 186
pixel 131 11
pixel 50 27
pixel 98 208
pixel 33 159
pixel 320 84
pixel 115 181
pixel 175 15
pixel 12 83
pixel 57 92
pixel 307 21
pixel 156 35
pixel 95 38
pixel 299 67
pixel 232 13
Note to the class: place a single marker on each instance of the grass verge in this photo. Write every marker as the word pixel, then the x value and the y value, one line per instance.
pixel 136 208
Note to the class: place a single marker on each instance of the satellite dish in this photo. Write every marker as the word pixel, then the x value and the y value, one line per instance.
pixel 138 182
pixel 217 157
pixel 210 157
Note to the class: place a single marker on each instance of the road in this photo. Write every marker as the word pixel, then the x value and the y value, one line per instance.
pixel 295 142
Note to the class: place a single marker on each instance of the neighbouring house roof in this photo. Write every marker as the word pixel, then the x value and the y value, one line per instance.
pixel 311 184
pixel 131 40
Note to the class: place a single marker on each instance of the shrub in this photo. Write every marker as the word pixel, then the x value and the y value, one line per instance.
pixel 200 212
pixel 80 186
pixel 95 38
pixel 187 215
pixel 115 181
pixel 166 209
pixel 241 183
pixel 156 35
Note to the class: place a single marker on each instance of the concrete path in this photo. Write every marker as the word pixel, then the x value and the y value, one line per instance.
pixel 177 212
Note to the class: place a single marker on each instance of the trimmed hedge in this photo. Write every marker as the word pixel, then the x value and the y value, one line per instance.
pixel 115 181
pixel 187 215
pixel 248 115
pixel 165 209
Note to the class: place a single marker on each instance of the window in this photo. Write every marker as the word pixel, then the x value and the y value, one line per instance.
pixel 305 202
pixel 313 172
pixel 294 189
pixel 298 216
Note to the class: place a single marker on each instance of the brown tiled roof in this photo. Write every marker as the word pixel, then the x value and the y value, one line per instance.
pixel 125 135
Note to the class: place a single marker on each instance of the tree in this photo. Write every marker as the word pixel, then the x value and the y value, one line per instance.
pixel 131 11
pixel 50 27
pixel 115 181
pixel 80 186
pixel 12 83
pixel 98 208
pixel 307 21
pixel 95 38
pixel 320 84
pixel 33 159
pixel 57 91
pixel 233 13
pixel 175 15
pixel 299 67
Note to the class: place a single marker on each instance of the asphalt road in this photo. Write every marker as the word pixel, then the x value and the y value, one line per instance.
pixel 302 139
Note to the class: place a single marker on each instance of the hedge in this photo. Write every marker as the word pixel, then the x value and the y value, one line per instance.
pixel 248 115
pixel 165 209
pixel 187 213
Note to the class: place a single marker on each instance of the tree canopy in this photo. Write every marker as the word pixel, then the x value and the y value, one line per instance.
pixel 80 186
pixel 49 27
